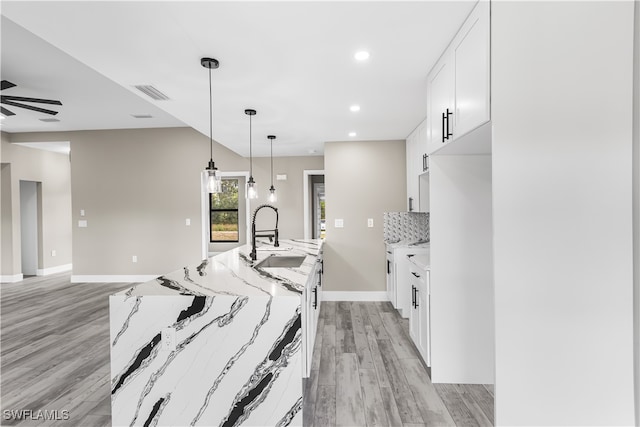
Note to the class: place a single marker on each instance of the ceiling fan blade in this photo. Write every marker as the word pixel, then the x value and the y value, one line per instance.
pixel 6 112
pixel 6 84
pixel 23 99
pixel 30 107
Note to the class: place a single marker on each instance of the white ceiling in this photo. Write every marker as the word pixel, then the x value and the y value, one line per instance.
pixel 291 61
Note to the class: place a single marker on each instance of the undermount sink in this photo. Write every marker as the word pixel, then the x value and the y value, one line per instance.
pixel 281 261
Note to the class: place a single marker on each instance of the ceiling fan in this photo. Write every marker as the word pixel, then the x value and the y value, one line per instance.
pixel 17 101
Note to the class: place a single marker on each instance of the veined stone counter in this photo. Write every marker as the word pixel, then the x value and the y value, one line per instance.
pixel 219 343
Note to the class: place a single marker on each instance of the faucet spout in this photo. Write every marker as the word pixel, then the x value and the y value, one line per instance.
pixel 253 231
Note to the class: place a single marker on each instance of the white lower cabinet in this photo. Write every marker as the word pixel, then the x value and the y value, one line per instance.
pixel 419 327
pixel 311 300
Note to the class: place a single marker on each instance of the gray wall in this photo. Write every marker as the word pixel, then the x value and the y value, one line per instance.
pixel 53 171
pixel 561 92
pixel 138 186
pixel 363 180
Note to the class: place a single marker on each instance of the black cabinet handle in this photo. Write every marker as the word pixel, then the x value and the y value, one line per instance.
pixel 315 297
pixel 415 274
pixel 415 304
pixel 388 267
pixel 426 163
pixel 449 114
pixel 413 296
pixel 410 204
pixel 444 117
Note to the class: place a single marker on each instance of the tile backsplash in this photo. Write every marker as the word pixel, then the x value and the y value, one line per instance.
pixel 407 226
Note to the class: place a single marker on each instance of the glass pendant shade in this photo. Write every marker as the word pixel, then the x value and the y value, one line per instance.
pixel 252 191
pixel 212 181
pixel 273 197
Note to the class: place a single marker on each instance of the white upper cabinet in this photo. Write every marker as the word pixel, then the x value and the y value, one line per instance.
pixel 416 163
pixel 440 98
pixel 471 59
pixel 458 98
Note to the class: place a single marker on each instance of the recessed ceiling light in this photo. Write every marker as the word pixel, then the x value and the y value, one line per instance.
pixel 354 108
pixel 362 55
pixel 352 134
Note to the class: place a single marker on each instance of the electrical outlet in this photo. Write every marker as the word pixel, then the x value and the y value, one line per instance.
pixel 81 212
pixel 281 177
pixel 134 258
pixel 187 221
pixel 53 252
pixel 83 223
pixel 370 222
pixel 339 223
pixel 168 339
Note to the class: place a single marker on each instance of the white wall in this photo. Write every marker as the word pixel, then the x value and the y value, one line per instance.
pixel 636 202
pixel 462 328
pixel 562 173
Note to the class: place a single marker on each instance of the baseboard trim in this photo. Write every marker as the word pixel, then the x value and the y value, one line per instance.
pixel 354 296
pixel 54 270
pixel 112 278
pixel 11 279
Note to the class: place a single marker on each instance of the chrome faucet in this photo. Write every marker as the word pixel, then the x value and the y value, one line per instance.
pixel 271 237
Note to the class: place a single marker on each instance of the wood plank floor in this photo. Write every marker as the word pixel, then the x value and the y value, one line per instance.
pixel 367 372
pixel 54 355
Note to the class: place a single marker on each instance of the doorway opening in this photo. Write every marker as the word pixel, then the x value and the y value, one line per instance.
pixel 314 204
pixel 30 227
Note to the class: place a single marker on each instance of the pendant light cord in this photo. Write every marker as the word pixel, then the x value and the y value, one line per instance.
pixel 250 150
pixel 210 116
pixel 271 162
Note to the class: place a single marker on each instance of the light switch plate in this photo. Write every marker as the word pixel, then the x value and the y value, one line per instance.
pixel 81 212
pixel 134 258
pixel 370 222
pixel 187 221
pixel 82 223
pixel 53 252
pixel 339 223
pixel 281 177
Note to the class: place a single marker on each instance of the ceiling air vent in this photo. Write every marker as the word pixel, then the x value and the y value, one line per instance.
pixel 51 120
pixel 152 92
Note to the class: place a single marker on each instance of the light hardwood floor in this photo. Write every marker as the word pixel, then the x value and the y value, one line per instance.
pixel 367 372
pixel 54 355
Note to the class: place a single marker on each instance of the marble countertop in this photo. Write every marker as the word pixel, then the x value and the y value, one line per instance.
pixel 407 244
pixel 232 273
pixel 422 261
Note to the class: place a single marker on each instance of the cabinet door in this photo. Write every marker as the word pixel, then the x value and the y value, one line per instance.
pixel 471 58
pixel 410 164
pixel 414 315
pixel 424 344
pixel 439 99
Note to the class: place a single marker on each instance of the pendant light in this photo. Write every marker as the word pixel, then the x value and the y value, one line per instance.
pixel 273 197
pixel 252 190
pixel 210 177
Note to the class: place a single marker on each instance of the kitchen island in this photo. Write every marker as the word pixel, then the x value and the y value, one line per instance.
pixel 216 343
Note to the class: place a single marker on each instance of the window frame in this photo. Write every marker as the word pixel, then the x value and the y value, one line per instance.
pixel 216 210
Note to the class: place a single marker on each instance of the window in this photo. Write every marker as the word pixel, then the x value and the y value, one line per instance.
pixel 224 212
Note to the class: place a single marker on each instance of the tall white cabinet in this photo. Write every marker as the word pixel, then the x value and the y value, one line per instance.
pixel 460 196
